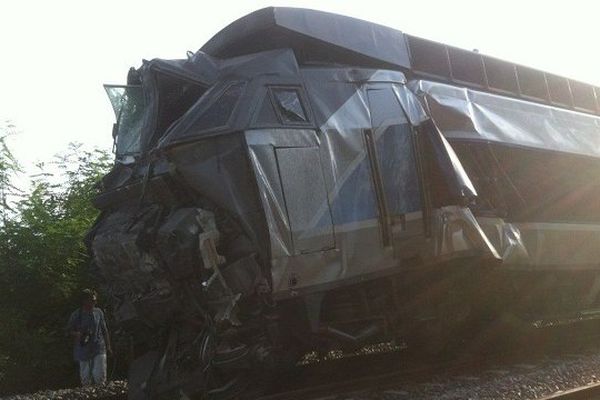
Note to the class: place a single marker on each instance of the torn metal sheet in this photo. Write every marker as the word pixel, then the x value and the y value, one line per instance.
pixel 506 239
pixel 456 230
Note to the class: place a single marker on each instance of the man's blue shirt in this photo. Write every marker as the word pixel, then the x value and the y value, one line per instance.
pixel 90 323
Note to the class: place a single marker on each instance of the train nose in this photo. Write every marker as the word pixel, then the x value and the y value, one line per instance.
pixel 173 296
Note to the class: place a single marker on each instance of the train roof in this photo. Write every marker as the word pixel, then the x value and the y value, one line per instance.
pixel 325 38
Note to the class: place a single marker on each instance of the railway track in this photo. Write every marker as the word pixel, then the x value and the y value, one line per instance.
pixel 336 388
pixel 378 381
pixel 392 370
pixel 395 380
pixel 380 372
pixel 396 370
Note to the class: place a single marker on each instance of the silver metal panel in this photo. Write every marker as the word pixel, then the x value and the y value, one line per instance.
pixel 305 198
pixel 358 253
pixel 261 147
pixel 544 246
pixel 308 212
pixel 560 246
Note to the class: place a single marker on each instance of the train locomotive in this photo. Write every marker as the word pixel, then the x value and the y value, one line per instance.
pixel 309 181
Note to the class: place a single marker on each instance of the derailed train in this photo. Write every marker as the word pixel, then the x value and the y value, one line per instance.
pixel 313 181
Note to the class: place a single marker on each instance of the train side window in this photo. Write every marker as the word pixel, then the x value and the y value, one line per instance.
pixel 289 106
pixel 218 114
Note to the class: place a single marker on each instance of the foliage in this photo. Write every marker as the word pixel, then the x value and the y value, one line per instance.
pixel 43 266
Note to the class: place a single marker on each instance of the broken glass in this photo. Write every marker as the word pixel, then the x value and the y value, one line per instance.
pixel 129 108
pixel 289 105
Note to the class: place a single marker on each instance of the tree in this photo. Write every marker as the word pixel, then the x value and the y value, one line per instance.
pixel 9 167
pixel 44 268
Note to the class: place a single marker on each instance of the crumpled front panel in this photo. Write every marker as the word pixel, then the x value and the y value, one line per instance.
pixel 230 73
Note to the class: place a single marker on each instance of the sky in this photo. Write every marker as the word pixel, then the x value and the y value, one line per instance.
pixel 55 55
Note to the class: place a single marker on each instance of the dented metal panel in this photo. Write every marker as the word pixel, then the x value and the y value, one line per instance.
pixel 532 240
pixel 363 143
pixel 467 114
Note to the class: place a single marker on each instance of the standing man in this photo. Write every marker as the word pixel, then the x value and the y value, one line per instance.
pixel 91 341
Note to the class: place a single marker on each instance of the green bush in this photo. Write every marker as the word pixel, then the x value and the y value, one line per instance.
pixel 43 266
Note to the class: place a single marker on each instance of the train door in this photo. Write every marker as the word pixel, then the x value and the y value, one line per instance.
pixel 391 150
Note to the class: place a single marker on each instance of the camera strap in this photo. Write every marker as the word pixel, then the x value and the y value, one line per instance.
pixel 80 318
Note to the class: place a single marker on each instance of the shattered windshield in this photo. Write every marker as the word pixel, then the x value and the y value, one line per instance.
pixel 129 107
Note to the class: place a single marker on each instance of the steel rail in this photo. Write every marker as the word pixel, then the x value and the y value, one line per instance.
pixel 589 392
pixel 336 388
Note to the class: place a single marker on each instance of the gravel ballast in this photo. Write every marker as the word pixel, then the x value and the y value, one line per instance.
pixel 520 381
pixel 540 378
pixel 116 390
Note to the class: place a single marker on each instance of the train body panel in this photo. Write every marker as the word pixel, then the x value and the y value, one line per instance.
pixel 534 167
pixel 344 200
